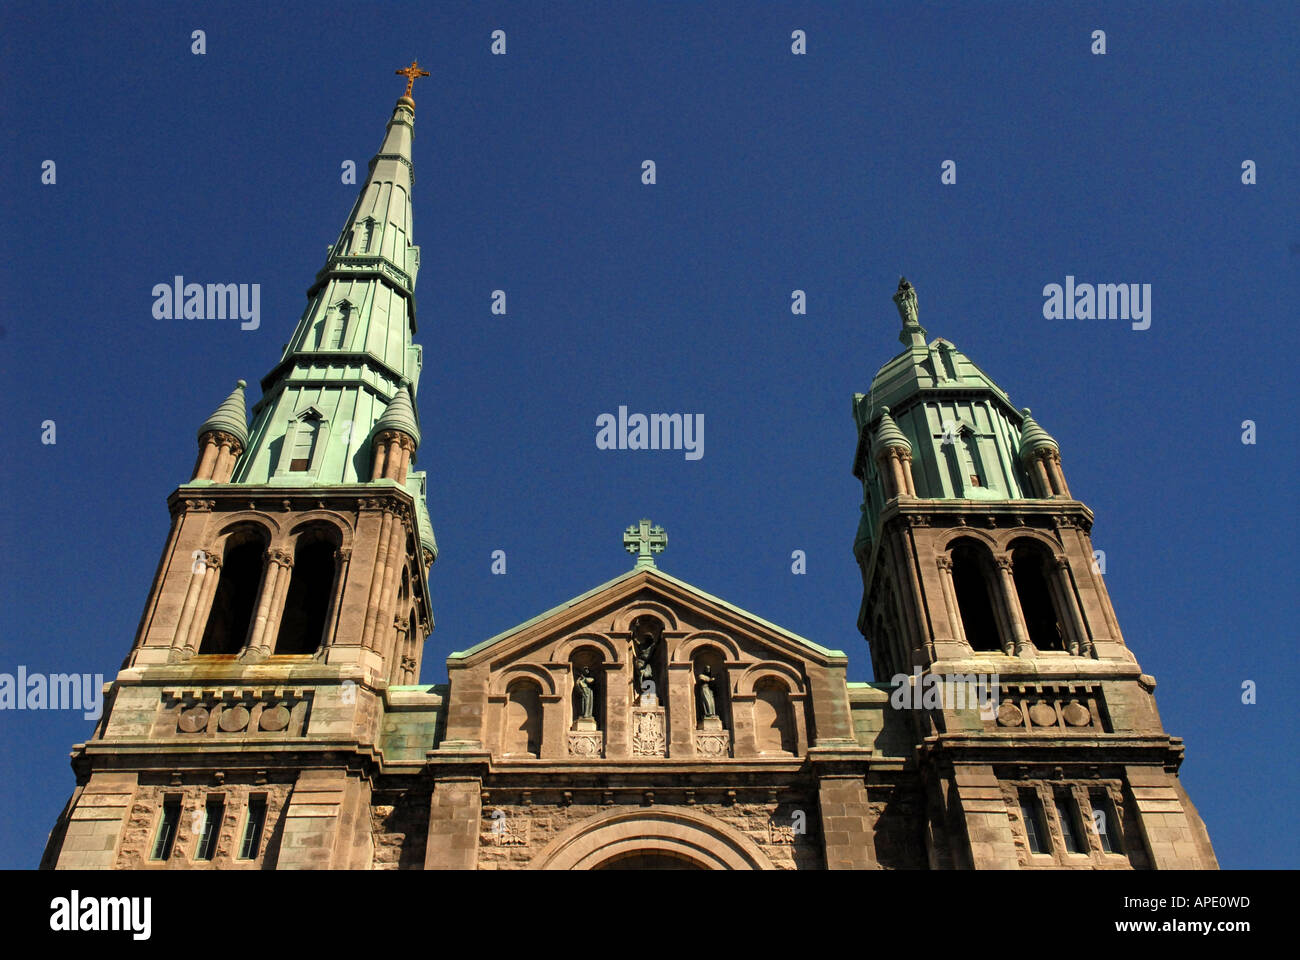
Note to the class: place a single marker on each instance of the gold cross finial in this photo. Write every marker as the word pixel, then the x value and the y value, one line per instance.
pixel 410 73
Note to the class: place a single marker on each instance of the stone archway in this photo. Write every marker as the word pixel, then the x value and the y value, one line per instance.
pixel 657 837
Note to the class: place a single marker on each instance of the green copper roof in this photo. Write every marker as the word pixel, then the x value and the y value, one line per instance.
pixel 888 434
pixel 400 415
pixel 231 417
pixel 422 519
pixel 651 572
pixel 1032 436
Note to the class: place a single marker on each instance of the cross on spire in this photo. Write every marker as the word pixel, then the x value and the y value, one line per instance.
pixel 644 540
pixel 410 73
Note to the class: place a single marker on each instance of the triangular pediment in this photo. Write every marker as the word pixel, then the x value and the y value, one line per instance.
pixel 609 609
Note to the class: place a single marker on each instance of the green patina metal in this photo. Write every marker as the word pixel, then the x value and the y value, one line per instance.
pixel 963 433
pixel 351 368
pixel 644 540
pixel 231 417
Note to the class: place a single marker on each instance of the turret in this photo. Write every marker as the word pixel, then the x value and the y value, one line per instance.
pixel 222 438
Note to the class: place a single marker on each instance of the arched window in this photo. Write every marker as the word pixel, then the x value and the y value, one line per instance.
pixel 773 719
pixel 971 582
pixel 242 560
pixel 311 589
pixel 522 735
pixel 1037 602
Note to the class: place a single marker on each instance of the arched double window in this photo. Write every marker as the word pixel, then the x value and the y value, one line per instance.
pixel 311 591
pixel 975 588
pixel 243 558
pixel 1038 601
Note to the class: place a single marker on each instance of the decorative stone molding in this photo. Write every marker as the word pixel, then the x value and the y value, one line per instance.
pixel 648 737
pixel 510 831
pixel 1069 708
pixel 237 711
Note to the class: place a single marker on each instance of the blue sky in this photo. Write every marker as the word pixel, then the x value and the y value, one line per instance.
pixel 775 172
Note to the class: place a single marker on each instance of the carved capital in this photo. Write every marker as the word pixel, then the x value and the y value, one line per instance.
pixel 283 557
pixel 944 562
pixel 343 554
pixel 1004 564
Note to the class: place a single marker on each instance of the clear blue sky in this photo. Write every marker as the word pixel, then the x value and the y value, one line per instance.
pixel 775 172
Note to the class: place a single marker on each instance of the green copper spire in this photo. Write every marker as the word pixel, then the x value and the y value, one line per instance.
pixel 351 360
pixel 231 417
pixel 644 540
pixel 400 415
pixel 1034 437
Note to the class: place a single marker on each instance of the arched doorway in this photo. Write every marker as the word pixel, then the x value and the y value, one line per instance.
pixel 650 860
pixel 648 838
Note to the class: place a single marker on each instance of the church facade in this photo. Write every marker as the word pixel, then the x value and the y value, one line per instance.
pixel 269 713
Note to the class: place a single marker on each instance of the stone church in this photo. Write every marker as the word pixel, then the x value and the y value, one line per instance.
pixel 269 713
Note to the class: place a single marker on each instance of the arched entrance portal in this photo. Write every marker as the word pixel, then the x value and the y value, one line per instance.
pixel 650 860
pixel 651 838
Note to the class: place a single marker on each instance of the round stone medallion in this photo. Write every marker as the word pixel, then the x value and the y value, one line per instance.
pixel 275 718
pixel 1009 715
pixel 1076 714
pixel 1042 715
pixel 194 720
pixel 233 719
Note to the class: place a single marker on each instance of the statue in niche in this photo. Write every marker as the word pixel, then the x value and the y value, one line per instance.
pixel 586 693
pixel 704 688
pixel 644 641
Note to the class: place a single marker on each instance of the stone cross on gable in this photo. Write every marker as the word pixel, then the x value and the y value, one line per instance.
pixel 644 540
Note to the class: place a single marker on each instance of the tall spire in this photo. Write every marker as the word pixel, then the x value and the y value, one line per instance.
pixel 352 350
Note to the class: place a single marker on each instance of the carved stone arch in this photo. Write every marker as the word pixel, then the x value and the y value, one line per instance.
pixel 232 521
pixel 562 652
pixel 622 621
pixel 1009 538
pixel 676 831
pixel 746 682
pixel 339 523
pixel 685 648
pixel 535 672
pixel 981 536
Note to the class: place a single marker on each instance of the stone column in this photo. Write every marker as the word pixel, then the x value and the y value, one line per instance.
pixel 1065 588
pixel 906 460
pixel 383 635
pixel 984 810
pixel 207 460
pixel 181 647
pixel 949 591
pixel 342 559
pixel 1039 470
pixel 1011 604
pixel 269 574
pixel 848 833
pixel 377 580
pixel 455 814
pixel 285 559
pixel 1058 475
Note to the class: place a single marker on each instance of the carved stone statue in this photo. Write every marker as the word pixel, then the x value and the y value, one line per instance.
pixel 704 688
pixel 644 642
pixel 586 693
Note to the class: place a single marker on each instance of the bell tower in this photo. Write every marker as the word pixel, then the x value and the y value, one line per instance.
pixel 979 572
pixel 291 602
